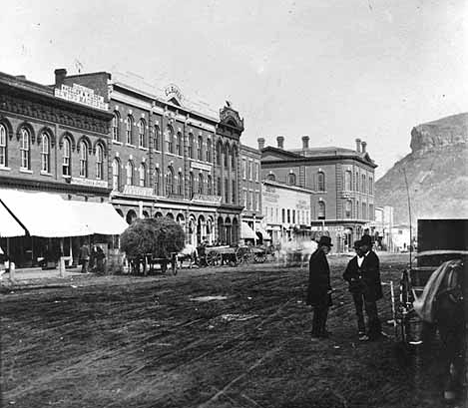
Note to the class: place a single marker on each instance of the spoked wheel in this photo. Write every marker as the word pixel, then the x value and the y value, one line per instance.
pixel 260 257
pixel 213 258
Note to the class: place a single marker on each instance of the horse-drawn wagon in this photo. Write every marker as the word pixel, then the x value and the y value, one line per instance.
pixel 430 296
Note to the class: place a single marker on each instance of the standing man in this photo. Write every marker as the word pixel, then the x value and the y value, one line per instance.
pixel 84 257
pixel 353 275
pixel 372 288
pixel 319 290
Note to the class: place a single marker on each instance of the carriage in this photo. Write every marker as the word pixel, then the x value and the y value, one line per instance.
pixel 227 255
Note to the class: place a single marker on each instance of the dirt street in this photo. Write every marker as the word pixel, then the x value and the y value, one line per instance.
pixel 235 337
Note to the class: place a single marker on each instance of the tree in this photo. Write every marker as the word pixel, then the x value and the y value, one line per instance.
pixel 158 237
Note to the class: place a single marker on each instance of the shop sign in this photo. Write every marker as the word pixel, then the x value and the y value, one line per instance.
pixel 200 166
pixel 173 91
pixel 207 198
pixel 89 182
pixel 81 94
pixel 138 191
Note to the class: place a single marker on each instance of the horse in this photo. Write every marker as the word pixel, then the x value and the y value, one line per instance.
pixel 293 253
pixel 189 253
pixel 441 306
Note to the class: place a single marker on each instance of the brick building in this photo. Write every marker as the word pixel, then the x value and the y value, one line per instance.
pixel 170 156
pixel 340 181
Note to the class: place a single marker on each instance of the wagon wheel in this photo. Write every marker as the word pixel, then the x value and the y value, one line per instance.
pixel 248 256
pixel 260 257
pixel 213 258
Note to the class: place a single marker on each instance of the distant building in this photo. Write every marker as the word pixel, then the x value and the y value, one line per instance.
pixel 340 181
pixel 382 228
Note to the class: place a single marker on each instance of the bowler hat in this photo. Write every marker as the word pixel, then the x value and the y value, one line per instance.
pixel 366 240
pixel 324 240
pixel 357 244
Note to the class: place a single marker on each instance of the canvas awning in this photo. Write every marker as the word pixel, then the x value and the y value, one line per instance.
pixel 247 232
pixel 99 218
pixel 43 214
pixel 9 227
pixel 265 235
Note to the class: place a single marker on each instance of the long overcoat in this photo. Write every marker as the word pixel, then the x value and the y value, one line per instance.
pixel 353 276
pixel 370 270
pixel 319 280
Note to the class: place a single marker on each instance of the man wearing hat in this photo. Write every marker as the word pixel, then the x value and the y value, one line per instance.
pixel 353 275
pixel 372 291
pixel 319 289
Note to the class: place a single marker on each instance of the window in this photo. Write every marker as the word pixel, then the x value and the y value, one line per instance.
pixel 45 153
pixel 249 200
pixel 218 186
pixel 179 144
pixel 357 209
pixel 191 185
pixel 129 130
pixel 226 156
pixel 208 150
pixel 244 169
pixel 226 190
pixel 348 209
pixel 364 211
pixel 283 215
pixel 321 210
pixel 141 133
pixel 142 174
pixel 170 181
pixel 321 181
pixel 209 185
pixel 66 168
pixel 116 127
pixel 170 139
pixel 83 159
pixel 249 171
pixel 293 216
pixel 271 177
pixel 129 173
pixel 363 184
pixel 234 192
pixel 257 171
pixel 157 181
pixel 99 162
pixel 356 181
pixel 200 183
pixel 292 179
pixel 257 201
pixel 371 185
pixel 218 154
pixel 3 146
pixel 180 183
pixel 288 211
pixel 245 198
pixel 371 212
pixel 233 159
pixel 347 180
pixel 190 146
pixel 200 148
pixel 157 138
pixel 115 174
pixel 24 148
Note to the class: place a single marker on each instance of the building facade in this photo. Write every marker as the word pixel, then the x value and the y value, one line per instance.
pixel 171 157
pixel 340 181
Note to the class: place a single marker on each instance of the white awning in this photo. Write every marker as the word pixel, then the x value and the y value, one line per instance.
pixel 247 232
pixel 265 235
pixel 43 214
pixel 99 218
pixel 9 227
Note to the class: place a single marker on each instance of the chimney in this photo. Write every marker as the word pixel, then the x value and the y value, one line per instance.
pixel 60 75
pixel 358 145
pixel 261 143
pixel 363 146
pixel 305 142
pixel 280 141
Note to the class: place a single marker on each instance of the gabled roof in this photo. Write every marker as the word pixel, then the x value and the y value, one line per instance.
pixel 275 152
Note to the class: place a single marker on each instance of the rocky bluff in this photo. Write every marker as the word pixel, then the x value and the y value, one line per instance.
pixel 437 173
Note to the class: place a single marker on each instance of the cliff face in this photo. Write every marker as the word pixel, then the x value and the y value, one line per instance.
pixel 436 170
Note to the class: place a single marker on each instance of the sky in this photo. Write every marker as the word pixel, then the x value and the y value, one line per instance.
pixel 332 70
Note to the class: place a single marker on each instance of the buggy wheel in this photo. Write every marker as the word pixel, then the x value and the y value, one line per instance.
pixel 213 258
pixel 260 258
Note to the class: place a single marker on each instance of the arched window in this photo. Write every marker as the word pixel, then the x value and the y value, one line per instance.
pixel 233 158
pixel 200 183
pixel 347 180
pixel 179 149
pixel 115 174
pixel 363 184
pixel 190 146
pixel 157 138
pixel 321 210
pixel 348 208
pixel 25 149
pixel 371 185
pixel 180 185
pixel 191 185
pixel 218 186
pixel 170 139
pixel 142 175
pixel 170 181
pixel 271 177
pixel 226 156
pixel 200 148
pixel 157 182
pixel 356 181
pixel 141 133
pixel 218 153
pixel 3 146
pixel 83 159
pixel 66 161
pixel 45 153
pixel 234 192
pixel 129 173
pixel 209 185
pixel 116 127
pixel 99 162
pixel 321 181
pixel 208 150
pixel 364 211
pixel 129 130
pixel 292 179
pixel 226 190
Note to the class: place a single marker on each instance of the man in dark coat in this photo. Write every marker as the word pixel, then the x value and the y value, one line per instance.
pixel 319 289
pixel 372 288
